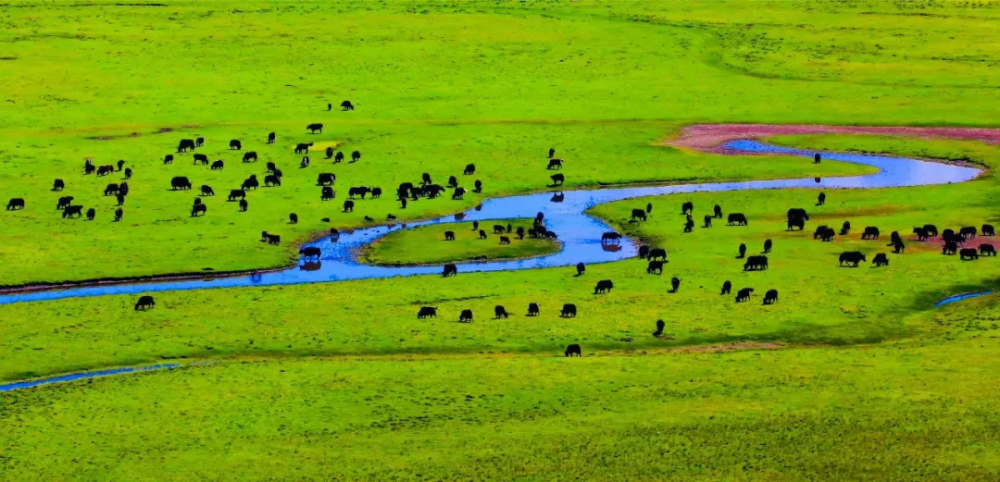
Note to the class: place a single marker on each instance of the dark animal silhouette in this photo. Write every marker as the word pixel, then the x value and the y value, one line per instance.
pixel 120 165
pixel 880 259
pixel 499 312
pixel 293 218
pixel 988 230
pixel 969 254
pixel 770 297
pixel 470 169
pixel 655 253
pixel 767 245
pixel 557 179
pixel 197 201
pixel 244 205
pixel 91 213
pixel 200 159
pixel 520 232
pixel 235 145
pixel 273 239
pixel 931 229
pixel 611 238
pixel 558 197
pixel 743 295
pixel 58 185
pixel 329 152
pixel 250 156
pixel 797 213
pixel 328 194
pixel 105 170
pixel 326 179
pixel 272 181
pixel 603 286
pixel 145 302
pixel 845 229
pixel 967 232
pixel 638 214
pixel 737 218
pixel 574 349
pixel 185 145
pixel 89 169
pixel 660 325
pixel 821 199
pixel 649 208
pixel 348 206
pixel 987 250
pixel 568 311
pixel 237 193
pixel 482 234
pixel 708 221
pixel 310 252
pixel 355 156
pixel 852 258
pixel 465 317
pixel 898 246
pixel 552 152
pixel 15 204
pixel 687 208
pixel 675 284
pixel 656 266
pixel 270 167
pixel 458 194
pixel 727 288
pixel 346 105
pixel 452 181
pixel 449 270
pixel 207 190
pixel 199 142
pixel 755 263
pixel 921 233
pixel 871 232
pixel 180 182
pixel 793 223
pixel 118 214
pixel 555 164
pixel 303 147
pixel 120 198
pixel 313 128
pixel 718 211
pixel 580 269
pixel 816 158
pixel 305 163
pixel 950 247
pixel 477 186
pixel 271 138
pixel 499 229
pixel 643 251
pixel 250 183
pixel 201 208
pixel 449 235
pixel 742 250
pixel 427 312
pixel 533 309
pixel 339 157
pixel 689 225
pixel 128 173
pixel 64 201
pixel 70 211
pixel 504 240
pixel 218 165
pixel 357 191
pixel 168 159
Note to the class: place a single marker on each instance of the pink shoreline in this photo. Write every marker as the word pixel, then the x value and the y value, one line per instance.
pixel 709 137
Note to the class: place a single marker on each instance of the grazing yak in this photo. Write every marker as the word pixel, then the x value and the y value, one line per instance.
pixel 533 309
pixel 687 208
pixel 568 311
pixel 105 170
pixel 427 312
pixel 180 182
pixel 272 181
pixel 987 250
pixel 655 253
pixel 967 232
pixel 580 268
pixel 185 145
pixel 303 147
pixel 91 213
pixel 310 252
pixel 327 194
pixel 199 208
pixel 500 312
pixel 852 258
pixel 573 350
pixel 449 270
pixel 465 317
pixel 675 284
pixel 871 232
pixel 770 297
pixel 15 204
pixel 235 145
pixel 70 211
pixel 118 214
pixel 638 214
pixel 346 106
pixel 727 288
pixel 555 164
pixel 199 142
pixel 743 295
pixel 271 138
pixel 655 266
pixel 169 159
pixel 63 202
pixel 244 205
pixel 200 159
pixel 755 263
pixel 504 240
pixel 326 179
pixel 797 213
pixel 293 218
pixel 986 231
pixel 314 128
pixel 58 185
pixel 348 206
pixel 218 165
pixel 950 247
pixel 355 156
pixel 207 190
pixel 145 302
pixel 603 286
pixel 250 156
pixel 470 169
pixel 968 254
pixel 557 179
pixel 237 193
pixel 737 219
pixel 880 259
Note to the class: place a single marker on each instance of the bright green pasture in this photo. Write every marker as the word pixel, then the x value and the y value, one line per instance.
pixel 427 244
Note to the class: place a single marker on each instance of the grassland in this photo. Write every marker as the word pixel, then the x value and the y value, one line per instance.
pixel 427 245
pixel 852 375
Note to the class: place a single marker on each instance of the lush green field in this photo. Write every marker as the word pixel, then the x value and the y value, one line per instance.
pixel 851 375
pixel 427 244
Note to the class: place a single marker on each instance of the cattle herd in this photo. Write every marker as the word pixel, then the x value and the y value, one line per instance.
pixel 953 242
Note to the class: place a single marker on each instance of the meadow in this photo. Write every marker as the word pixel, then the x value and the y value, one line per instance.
pixel 853 375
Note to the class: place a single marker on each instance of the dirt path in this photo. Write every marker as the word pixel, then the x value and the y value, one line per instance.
pixel 710 137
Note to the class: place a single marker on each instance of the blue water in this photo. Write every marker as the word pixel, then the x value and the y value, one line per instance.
pixel 83 376
pixel 579 233
pixel 965 296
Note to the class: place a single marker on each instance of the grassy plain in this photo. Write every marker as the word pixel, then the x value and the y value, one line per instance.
pixel 340 381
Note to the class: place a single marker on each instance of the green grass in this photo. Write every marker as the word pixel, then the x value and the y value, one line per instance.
pixel 340 381
pixel 427 244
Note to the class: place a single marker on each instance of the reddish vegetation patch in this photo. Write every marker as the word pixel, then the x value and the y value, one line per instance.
pixel 709 137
